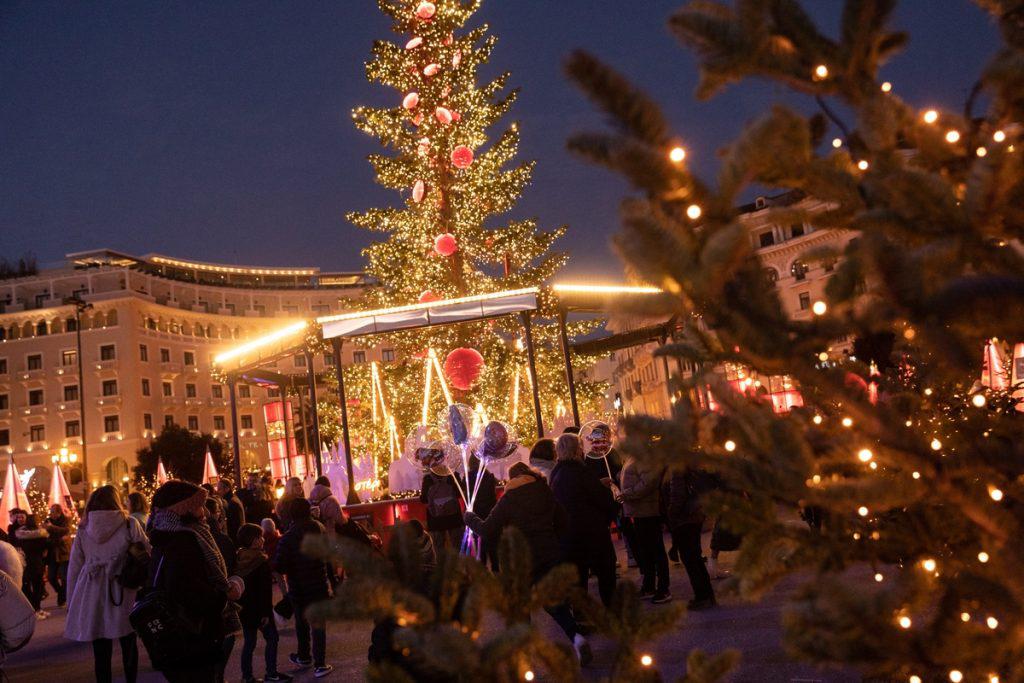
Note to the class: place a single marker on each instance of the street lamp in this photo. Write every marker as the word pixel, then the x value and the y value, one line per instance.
pixel 81 306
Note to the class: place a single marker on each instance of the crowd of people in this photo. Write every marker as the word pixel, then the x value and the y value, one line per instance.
pixel 213 565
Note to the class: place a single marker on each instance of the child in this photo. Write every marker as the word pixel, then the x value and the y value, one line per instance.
pixel 257 603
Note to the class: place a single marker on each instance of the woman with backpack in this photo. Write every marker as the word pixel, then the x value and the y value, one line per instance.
pixel 98 605
pixel 444 513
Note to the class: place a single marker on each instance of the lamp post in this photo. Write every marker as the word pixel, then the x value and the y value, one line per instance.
pixel 81 306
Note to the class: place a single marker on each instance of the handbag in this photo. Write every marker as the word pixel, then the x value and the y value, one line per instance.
pixel 285 608
pixel 169 636
pixel 134 567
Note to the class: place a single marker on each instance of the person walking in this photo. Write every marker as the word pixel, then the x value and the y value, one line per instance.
pixel 257 604
pixel 58 526
pixel 309 581
pixel 640 495
pixel 234 513
pixel 33 542
pixel 530 506
pixel 590 508
pixel 95 612
pixel 440 493
pixel 187 566
pixel 138 508
pixel 685 523
pixel 292 490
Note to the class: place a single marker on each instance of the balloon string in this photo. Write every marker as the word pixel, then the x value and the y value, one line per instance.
pixel 465 468
pixel 469 504
pixel 479 476
pixel 607 467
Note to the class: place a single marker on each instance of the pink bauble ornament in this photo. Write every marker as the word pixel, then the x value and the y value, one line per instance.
pixel 414 43
pixel 445 244
pixel 425 11
pixel 417 120
pixel 463 367
pixel 449 39
pixel 456 116
pixel 457 58
pixel 431 70
pixel 427 296
pixel 444 116
pixel 417 191
pixel 462 157
pixel 411 100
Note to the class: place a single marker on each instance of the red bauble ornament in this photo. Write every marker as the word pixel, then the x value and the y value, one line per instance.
pixel 462 157
pixel 445 244
pixel 428 295
pixel 417 191
pixel 411 100
pixel 417 120
pixel 463 367
pixel 431 70
pixel 414 43
pixel 456 116
pixel 444 116
pixel 449 39
pixel 425 11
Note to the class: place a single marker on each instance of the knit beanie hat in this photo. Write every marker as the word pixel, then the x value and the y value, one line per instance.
pixel 179 497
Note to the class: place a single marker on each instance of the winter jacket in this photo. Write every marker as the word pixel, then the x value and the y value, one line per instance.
pixel 97 555
pixel 587 502
pixel 257 602
pixel 33 543
pixel 234 515
pixel 11 562
pixel 600 469
pixel 17 618
pixel 442 522
pixel 686 486
pixel 641 489
pixel 60 538
pixel 227 548
pixel 487 495
pixel 529 506
pixel 308 577
pixel 179 569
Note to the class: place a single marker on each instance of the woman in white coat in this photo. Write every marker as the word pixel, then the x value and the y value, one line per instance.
pixel 98 606
pixel 17 618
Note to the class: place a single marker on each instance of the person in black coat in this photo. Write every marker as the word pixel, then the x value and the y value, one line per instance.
pixel 234 513
pixel 188 567
pixel 530 507
pixel 590 507
pixel 229 551
pixel 485 500
pixel 33 541
pixel 257 603
pixel 440 495
pixel 309 581
pixel 685 522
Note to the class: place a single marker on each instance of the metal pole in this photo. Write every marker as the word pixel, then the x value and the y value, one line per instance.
pixel 528 331
pixel 284 423
pixel 302 417
pixel 79 307
pixel 232 394
pixel 668 376
pixel 353 497
pixel 567 358
pixel 311 374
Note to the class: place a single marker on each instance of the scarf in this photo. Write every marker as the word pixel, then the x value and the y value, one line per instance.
pixel 249 559
pixel 165 520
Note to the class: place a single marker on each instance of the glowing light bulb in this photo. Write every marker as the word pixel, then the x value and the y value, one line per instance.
pixel 817 419
pixel 905 622
pixel 862 165
pixel 847 422
pixel 819 308
pixel 528 676
pixel 928 391
pixel 992 623
pixel 914 679
pixel 676 155
pixel 873 465
pixel 995 494
pixel 865 455
pixel 862 511
pixel 981 151
pixel 965 617
pixel 909 423
pixel 916 475
pixel 936 445
pixel 983 557
pixel 930 116
pixel 993 678
pixel 887 87
pixel 952 136
pixel 693 212
pixel 730 445
pixel 837 142
pixel 978 400
pixel 879 578
pixel 929 564
pixel 820 72
pixel 823 356
pixel 956 676
pixel 999 136
pixel 646 660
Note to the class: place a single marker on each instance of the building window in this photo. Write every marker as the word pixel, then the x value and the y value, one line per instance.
pixel 218 423
pixel 193 423
pixel 71 392
pixel 72 428
pixel 329 360
pixel 3 366
pixel 766 239
pixel 110 387
pixel 799 270
pixel 143 353
pixel 168 420
pixel 36 433
pixel 5 437
pixel 190 391
pixel 107 352
pixel 244 391
pixel 111 423
pixel 217 391
pixel 359 357
pixel 35 361
pixel 190 358
pixel 247 422
pixel 35 397
pixel 5 402
pixel 387 355
pixel 300 360
pixel 165 355
pixel 41 329
pixel 168 389
pixel 147 421
pixel 145 387
pixel 796 230
pixel 68 358
pixel 273 392
pixel 829 265
pixel 805 300
pixel 71 325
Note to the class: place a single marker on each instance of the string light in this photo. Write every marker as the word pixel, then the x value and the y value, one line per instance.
pixel 817 419
pixel 819 308
pixel 837 142
pixel 952 136
pixel 646 660
pixel 916 475
pixel 862 165
pixel 886 87
pixel 914 679
pixel 693 212
pixel 956 676
pixel 905 622
pixel 873 465
pixel 820 72
pixel 983 557
pixel 930 116
pixel 862 511
pixel 730 445
pixel 928 391
pixel 879 577
pixel 865 455
pixel 528 676
pixel 965 617
pixel 677 154
pixel 847 422
pixel 936 445
pixel 999 136
pixel 981 151
pixel 995 494
pixel 993 678
pixel 992 623
pixel 929 564
pixel 978 400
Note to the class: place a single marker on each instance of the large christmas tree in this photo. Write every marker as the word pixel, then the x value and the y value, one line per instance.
pixel 444 241
pixel 911 480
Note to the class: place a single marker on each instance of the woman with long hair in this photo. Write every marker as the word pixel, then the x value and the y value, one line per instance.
pixel 138 507
pixel 98 606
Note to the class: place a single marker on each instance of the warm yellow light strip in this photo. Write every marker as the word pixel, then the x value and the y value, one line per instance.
pixel 515 398
pixel 570 288
pixel 277 335
pixel 426 389
pixel 440 377
pixel 424 306
pixel 231 270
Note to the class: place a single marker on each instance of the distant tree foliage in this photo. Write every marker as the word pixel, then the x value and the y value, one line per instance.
pixel 23 267
pixel 182 453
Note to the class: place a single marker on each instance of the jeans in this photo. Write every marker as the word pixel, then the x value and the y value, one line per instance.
pixel 686 539
pixel 303 630
pixel 597 557
pixel 628 533
pixel 103 650
pixel 650 554
pixel 453 537
pixel 269 631
pixel 57 573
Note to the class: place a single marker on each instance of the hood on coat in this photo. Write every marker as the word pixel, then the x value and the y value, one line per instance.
pixel 10 562
pixel 522 480
pixel 101 525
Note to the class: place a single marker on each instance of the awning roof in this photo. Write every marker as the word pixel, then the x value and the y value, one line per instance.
pixel 624 340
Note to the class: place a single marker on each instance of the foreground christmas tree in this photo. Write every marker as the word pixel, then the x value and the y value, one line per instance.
pixel 913 486
pixel 440 243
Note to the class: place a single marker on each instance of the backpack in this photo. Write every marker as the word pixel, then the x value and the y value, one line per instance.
pixel 169 636
pixel 442 499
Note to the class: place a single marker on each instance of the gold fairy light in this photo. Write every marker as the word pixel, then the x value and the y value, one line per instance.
pixel 929 564
pixel 952 136
pixel 995 493
pixel 676 155
pixel 865 455
pixel 983 557
pixel 930 116
pixel 999 136
pixel 693 212
pixel 820 72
